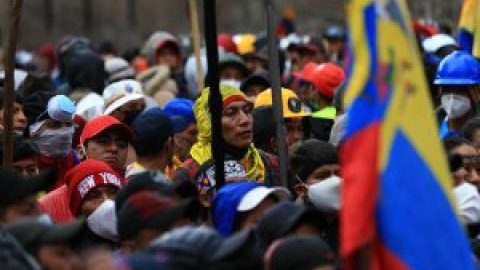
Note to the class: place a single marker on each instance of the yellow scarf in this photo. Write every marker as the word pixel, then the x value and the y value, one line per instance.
pixel 201 152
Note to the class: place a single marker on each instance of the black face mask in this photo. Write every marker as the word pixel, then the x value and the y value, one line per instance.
pixel 130 116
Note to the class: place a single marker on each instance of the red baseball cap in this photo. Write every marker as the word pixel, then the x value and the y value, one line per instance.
pixel 102 123
pixel 327 78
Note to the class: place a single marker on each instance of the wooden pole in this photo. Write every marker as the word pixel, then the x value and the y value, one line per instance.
pixel 215 98
pixel 274 69
pixel 196 43
pixel 9 91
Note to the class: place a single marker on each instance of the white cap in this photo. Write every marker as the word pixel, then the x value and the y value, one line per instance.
pixel 117 68
pixel 121 92
pixel 468 201
pixel 435 42
pixel 255 196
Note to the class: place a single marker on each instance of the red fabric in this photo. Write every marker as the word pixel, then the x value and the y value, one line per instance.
pixel 102 123
pixel 360 166
pixel 327 78
pixel 86 176
pixel 231 99
pixel 49 54
pixel 79 124
pixel 225 41
pixel 307 71
pixel 62 166
pixel 55 204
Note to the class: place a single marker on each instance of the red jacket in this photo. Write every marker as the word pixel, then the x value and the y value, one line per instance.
pixel 55 204
pixel 62 166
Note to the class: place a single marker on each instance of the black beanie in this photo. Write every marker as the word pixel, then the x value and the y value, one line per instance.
pixel 310 155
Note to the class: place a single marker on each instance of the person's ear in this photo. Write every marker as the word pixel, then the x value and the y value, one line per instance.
pixel 82 155
pixel 301 190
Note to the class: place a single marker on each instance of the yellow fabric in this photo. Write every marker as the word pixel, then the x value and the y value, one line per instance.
pixel 176 163
pixel 201 151
pixel 246 44
pixel 288 96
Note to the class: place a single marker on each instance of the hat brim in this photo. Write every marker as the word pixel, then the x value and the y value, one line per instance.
pixel 122 101
pixel 124 129
pixel 456 82
pixel 257 195
pixel 64 233
pixel 170 216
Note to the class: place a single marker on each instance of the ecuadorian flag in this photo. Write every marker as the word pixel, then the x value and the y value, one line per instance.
pixel 469 27
pixel 396 191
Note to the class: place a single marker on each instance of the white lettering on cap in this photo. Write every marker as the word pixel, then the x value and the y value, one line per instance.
pixel 85 185
pixel 109 178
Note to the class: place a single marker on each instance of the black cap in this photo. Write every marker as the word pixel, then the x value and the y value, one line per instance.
pixel 239 251
pixel 145 181
pixel 15 188
pixel 300 252
pixel 259 78
pixel 33 234
pixel 147 209
pixel 36 104
pixel 283 218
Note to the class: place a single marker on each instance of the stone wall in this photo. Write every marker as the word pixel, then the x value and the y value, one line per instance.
pixel 109 18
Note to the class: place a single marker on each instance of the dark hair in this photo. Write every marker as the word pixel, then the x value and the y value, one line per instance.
pixel 150 149
pixel 451 143
pixel 22 148
pixel 310 155
pixel 17 98
pixel 469 128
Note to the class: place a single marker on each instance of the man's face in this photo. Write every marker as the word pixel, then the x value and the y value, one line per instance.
pixel 237 124
pixel 26 167
pixel 96 197
pixel 110 147
pixel 254 90
pixel 167 56
pixel 231 73
pixel 323 172
pixel 58 257
pixel 27 208
pixel 471 162
pixel 294 130
pixel 19 119
pixel 128 111
pixel 185 140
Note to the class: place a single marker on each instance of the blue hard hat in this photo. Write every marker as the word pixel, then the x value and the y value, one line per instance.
pixel 458 68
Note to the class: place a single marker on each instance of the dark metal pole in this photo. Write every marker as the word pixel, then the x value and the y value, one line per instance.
pixel 8 94
pixel 215 98
pixel 274 69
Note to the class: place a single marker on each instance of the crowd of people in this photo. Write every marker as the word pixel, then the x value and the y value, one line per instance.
pixel 113 165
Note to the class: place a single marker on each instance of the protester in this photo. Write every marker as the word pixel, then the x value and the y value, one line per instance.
pixel 92 186
pixel 180 112
pixel 294 113
pixel 50 128
pixel 241 154
pixel 24 156
pixel 124 100
pixel 18 198
pixel 146 216
pixel 118 69
pixel 51 245
pixel 238 205
pixel 458 81
pixel 105 138
pixel 232 70
pixel 153 143
pixel 470 158
pixel 256 83
pixel 19 119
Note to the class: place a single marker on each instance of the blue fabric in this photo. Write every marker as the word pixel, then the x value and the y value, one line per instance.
pixel 180 107
pixel 445 132
pixel 225 203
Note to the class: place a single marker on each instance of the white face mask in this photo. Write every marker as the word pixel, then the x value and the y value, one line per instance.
pixel 468 201
pixel 231 82
pixel 325 195
pixel 55 143
pixel 45 219
pixel 103 221
pixel 456 106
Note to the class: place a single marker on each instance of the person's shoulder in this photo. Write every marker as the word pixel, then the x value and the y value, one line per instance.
pixel 269 158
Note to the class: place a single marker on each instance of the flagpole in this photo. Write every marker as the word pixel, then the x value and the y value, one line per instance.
pixel 196 43
pixel 215 98
pixel 274 68
pixel 8 94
